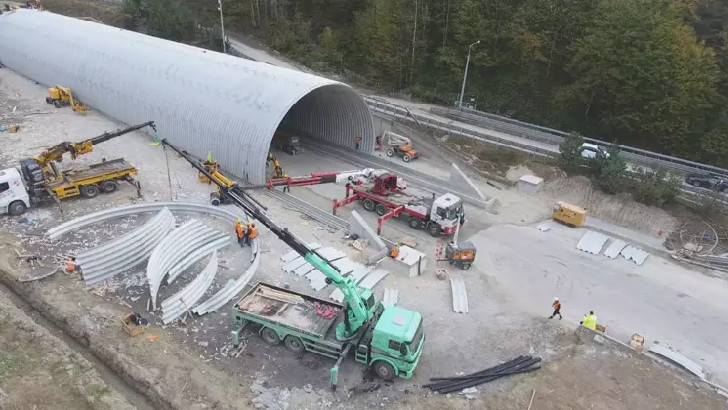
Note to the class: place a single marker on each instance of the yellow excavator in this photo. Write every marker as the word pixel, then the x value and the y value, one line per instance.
pixel 61 96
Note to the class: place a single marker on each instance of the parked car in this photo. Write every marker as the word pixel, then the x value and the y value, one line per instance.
pixel 710 181
pixel 591 150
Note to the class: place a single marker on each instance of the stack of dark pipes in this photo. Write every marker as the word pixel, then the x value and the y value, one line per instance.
pixel 521 364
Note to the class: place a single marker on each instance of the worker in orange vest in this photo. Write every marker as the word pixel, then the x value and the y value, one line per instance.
pixel 395 251
pixel 240 232
pixel 253 232
pixel 557 308
pixel 71 265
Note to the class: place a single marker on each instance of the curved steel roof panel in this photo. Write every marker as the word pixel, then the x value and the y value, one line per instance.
pixel 201 100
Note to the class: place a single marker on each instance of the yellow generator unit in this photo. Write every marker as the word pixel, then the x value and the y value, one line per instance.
pixel 569 215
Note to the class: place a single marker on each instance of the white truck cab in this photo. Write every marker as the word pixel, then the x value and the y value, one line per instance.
pixel 447 211
pixel 14 198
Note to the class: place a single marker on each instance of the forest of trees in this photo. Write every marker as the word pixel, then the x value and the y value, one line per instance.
pixel 648 73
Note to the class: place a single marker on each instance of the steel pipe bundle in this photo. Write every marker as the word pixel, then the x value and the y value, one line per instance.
pixel 521 364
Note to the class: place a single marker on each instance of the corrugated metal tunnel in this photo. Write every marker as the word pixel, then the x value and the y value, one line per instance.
pixel 201 100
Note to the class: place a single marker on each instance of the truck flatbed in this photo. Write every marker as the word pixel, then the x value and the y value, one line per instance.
pixel 290 309
pixel 101 169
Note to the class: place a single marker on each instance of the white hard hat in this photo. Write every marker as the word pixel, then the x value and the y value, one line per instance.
pixel 555 298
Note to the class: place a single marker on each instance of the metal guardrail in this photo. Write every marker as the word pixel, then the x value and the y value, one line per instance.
pixel 395 111
pixel 540 134
pixel 553 136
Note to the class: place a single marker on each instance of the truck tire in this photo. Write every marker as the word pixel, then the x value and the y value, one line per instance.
pixel 49 100
pixel 90 191
pixel 415 222
pixel 109 186
pixel 390 152
pixel 17 208
pixel 215 199
pixel 368 204
pixel 433 229
pixel 381 209
pixel 57 103
pixel 465 265
pixel 384 370
pixel 270 336
pixel 406 158
pixel 294 344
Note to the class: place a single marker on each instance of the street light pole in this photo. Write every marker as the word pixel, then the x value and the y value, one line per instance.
pixel 222 27
pixel 465 76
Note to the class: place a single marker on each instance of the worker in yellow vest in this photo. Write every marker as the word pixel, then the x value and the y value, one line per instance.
pixel 589 321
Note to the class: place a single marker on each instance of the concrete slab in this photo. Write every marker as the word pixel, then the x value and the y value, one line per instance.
pixel 614 248
pixel 634 254
pixel 318 280
pixel 330 254
pixel 292 265
pixel 303 269
pixel 464 183
pixel 592 242
pixel 390 297
pixel 289 256
pixel 358 274
pixel 361 228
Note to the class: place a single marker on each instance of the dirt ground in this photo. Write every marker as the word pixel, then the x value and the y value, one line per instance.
pixel 39 371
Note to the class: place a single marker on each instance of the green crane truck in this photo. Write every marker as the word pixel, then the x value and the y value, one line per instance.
pixel 389 339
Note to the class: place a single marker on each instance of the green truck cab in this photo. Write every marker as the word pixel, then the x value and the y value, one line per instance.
pixel 391 343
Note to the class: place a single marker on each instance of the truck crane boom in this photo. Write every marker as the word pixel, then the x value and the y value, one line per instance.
pixel 356 313
pixel 56 152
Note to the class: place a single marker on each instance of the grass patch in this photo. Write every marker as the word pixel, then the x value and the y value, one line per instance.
pixel 99 393
pixel 9 364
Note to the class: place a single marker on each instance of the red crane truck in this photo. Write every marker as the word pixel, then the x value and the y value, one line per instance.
pixel 384 195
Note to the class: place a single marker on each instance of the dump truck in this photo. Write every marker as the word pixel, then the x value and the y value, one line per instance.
pixel 388 339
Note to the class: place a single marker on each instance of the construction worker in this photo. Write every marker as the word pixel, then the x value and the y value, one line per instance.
pixel 71 265
pixel 589 321
pixel 557 308
pixel 394 252
pixel 246 237
pixel 253 232
pixel 240 232
pixel 357 142
pixel 277 169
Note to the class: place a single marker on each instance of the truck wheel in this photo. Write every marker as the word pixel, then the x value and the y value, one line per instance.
pixel 381 209
pixel 466 265
pixel 415 222
pixel 57 103
pixel 390 152
pixel 109 186
pixel 49 100
pixel 294 344
pixel 215 199
pixel 17 208
pixel 406 158
pixel 433 229
pixel 270 336
pixel 368 204
pixel 384 370
pixel 90 191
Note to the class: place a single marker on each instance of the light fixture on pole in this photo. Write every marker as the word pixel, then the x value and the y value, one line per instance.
pixel 222 27
pixel 465 76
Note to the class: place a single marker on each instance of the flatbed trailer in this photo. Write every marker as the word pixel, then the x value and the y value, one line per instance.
pixel 94 179
pixel 306 323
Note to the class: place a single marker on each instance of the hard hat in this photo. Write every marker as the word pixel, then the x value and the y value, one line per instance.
pixel 248 223
pixel 239 221
pixel 555 298
pixel 396 244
